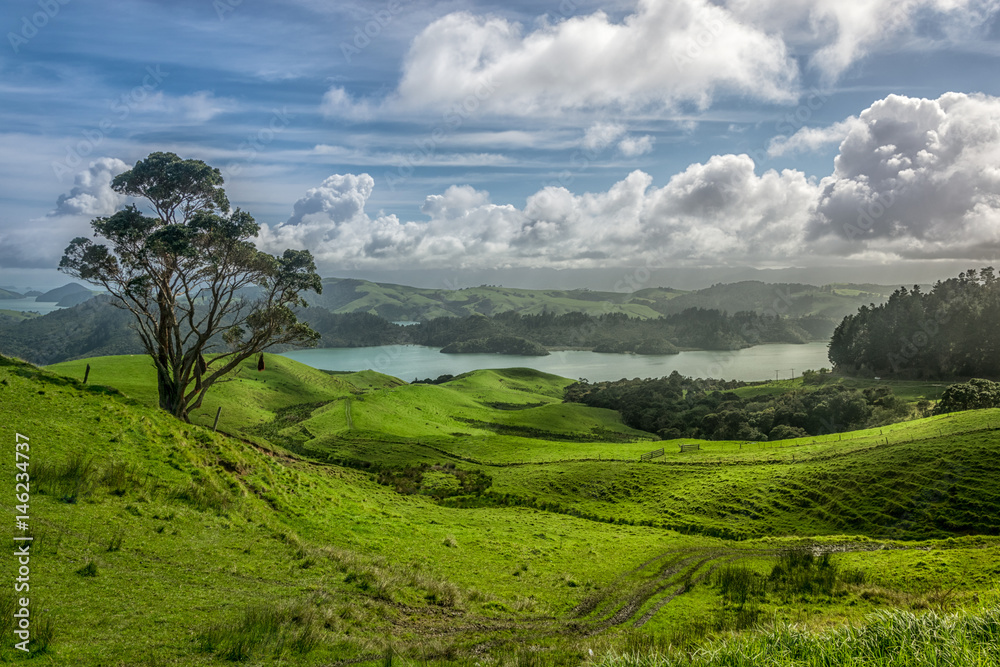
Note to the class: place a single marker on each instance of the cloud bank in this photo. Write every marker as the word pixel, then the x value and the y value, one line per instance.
pixel 913 178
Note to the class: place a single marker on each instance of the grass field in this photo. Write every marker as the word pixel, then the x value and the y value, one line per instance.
pixel 340 521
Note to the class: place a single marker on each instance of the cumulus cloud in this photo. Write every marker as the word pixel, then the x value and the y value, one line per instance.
pixel 662 54
pixel 92 194
pixel 39 243
pixel 708 212
pixel 913 178
pixel 918 178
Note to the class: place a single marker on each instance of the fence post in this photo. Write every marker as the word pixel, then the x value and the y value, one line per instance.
pixel 86 374
pixel 217 413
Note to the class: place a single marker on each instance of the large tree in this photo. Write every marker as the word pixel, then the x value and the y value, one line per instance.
pixel 192 278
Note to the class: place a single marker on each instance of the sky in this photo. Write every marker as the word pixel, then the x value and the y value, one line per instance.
pixel 609 144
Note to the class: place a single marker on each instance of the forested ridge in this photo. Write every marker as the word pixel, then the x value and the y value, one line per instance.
pixel 952 331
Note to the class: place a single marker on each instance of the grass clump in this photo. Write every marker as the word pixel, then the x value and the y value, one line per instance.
pixel 265 631
pixel 886 639
pixel 88 570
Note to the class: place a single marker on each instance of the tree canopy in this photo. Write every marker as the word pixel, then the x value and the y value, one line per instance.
pixel 185 273
pixel 953 331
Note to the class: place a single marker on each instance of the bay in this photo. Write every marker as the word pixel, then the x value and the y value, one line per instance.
pixel 28 304
pixel 409 362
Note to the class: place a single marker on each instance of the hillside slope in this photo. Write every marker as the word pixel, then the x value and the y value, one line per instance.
pixel 189 547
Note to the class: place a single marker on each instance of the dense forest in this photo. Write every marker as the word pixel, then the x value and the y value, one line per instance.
pixel 953 331
pixel 677 407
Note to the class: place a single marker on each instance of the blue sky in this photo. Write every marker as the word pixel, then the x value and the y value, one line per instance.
pixel 519 138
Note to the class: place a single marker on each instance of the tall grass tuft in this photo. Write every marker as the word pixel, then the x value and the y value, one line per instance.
pixel 264 631
pixel 885 639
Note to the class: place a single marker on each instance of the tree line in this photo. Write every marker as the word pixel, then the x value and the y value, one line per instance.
pixel 952 331
pixel 681 407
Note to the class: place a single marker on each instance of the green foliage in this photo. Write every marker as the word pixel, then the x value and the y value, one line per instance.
pixel 676 407
pixel 952 331
pixel 972 395
pixel 500 344
pixel 180 274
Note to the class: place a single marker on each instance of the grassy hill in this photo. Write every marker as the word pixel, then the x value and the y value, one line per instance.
pixel 399 302
pixel 334 527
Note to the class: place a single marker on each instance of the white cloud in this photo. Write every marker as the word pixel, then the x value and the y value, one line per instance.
pixel 913 178
pixel 418 157
pixel 918 178
pixel 338 103
pixel 709 212
pixel 40 242
pixel 634 146
pixel 196 108
pixel 92 195
pixel 601 135
pixel 812 138
pixel 840 32
pixel 663 54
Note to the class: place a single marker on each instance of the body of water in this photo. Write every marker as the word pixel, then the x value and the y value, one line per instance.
pixel 28 304
pixel 408 362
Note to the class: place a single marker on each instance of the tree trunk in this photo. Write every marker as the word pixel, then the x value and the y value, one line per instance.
pixel 171 396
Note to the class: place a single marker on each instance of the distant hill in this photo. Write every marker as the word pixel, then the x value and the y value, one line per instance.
pixel 8 294
pixel 58 294
pixel 90 329
pixel 75 299
pixel 401 303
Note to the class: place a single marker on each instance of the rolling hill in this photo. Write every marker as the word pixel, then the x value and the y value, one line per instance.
pixel 355 518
